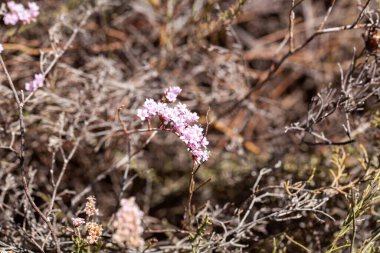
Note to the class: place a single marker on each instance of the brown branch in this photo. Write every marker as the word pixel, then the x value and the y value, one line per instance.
pixel 63 170
pixel 291 28
pixel 327 15
pixel 361 14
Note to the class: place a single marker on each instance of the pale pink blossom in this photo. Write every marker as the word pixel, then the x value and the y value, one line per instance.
pixel 200 155
pixel 10 19
pixel 34 10
pixel 37 82
pixel 17 12
pixel 128 224
pixel 90 208
pixel 14 7
pixel 149 109
pixel 172 93
pixel 195 141
pixel 77 222
pixel 24 16
pixel 1 48
pixel 166 114
pixel 182 116
pixel 193 137
pixel 142 113
pixel 180 120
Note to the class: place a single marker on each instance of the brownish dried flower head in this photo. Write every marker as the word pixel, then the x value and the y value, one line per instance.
pixel 94 231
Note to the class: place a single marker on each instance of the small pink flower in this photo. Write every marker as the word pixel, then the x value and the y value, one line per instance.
pixel 25 17
pixel 1 48
pixel 77 222
pixel 150 109
pixel 200 155
pixel 166 114
pixel 17 12
pixel 13 7
pixel 172 93
pixel 30 15
pixel 128 224
pixel 34 9
pixel 142 113
pixel 10 19
pixel 184 116
pixel 39 78
pixel 191 136
pixel 195 141
pixel 16 8
pixel 37 82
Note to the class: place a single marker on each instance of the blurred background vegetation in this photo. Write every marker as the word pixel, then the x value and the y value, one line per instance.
pixel 313 119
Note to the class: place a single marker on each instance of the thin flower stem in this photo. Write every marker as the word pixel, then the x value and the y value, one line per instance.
pixel 191 193
pixel 64 167
pixel 10 81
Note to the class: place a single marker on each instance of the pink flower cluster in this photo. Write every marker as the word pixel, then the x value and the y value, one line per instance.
pixel 172 93
pixel 180 120
pixel 17 12
pixel 128 224
pixel 90 208
pixel 36 83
